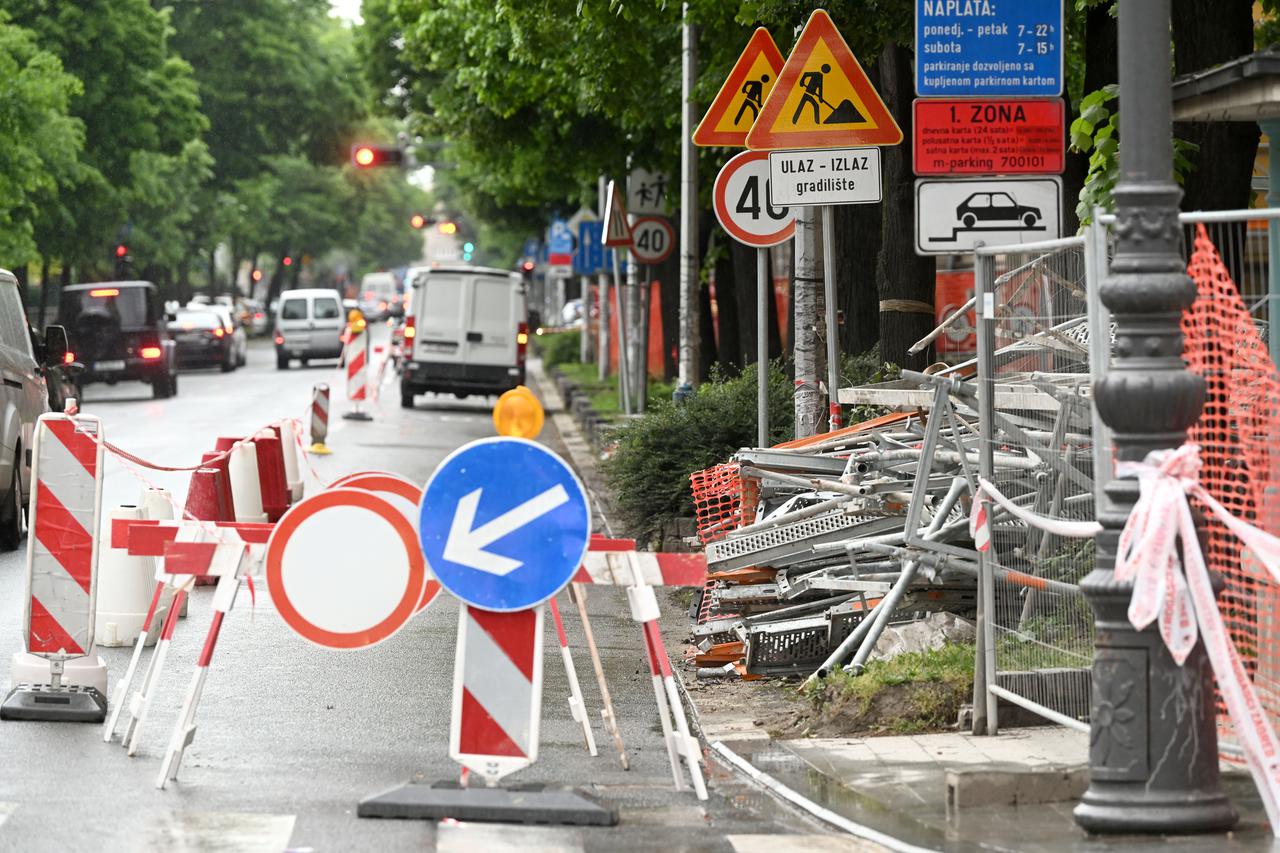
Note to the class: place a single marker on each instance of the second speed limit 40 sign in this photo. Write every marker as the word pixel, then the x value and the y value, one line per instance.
pixel 652 239
pixel 744 205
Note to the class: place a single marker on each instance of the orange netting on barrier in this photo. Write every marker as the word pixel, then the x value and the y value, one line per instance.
pixel 1237 434
pixel 723 500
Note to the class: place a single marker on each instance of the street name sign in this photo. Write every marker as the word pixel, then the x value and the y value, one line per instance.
pixel 742 204
pixel 825 176
pixel 989 137
pixel 985 48
pixel 504 523
pixel 344 569
pixel 653 239
pixel 737 105
pixel 955 216
pixel 647 192
pixel 823 98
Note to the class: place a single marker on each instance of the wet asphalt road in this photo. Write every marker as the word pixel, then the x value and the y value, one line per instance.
pixel 291 736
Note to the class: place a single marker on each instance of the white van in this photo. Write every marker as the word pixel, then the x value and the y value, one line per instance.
pixel 379 295
pixel 467 333
pixel 309 324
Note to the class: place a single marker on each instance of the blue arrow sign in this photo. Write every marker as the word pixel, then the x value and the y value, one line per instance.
pixel 504 523
pixel 589 259
pixel 974 48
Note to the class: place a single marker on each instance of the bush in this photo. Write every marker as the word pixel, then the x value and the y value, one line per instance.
pixel 559 347
pixel 649 470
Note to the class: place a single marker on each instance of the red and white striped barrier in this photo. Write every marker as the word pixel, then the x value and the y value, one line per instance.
pixel 62 550
pixel 577 706
pixel 358 376
pixel 497 691
pixel 614 562
pixel 319 419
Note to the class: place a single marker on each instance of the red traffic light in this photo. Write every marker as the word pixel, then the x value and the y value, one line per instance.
pixel 418 221
pixel 370 156
pixel 527 266
pixel 121 250
pixel 287 261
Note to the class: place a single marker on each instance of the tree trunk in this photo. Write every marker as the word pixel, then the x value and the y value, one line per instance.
pixel 776 321
pixel 809 333
pixel 906 280
pixel 21 272
pixel 1206 33
pixel 857 243
pixel 729 286
pixel 42 314
pixel 742 265
pixel 1101 40
pixel 706 335
pixel 668 274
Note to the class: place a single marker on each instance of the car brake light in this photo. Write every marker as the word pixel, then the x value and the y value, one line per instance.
pixel 409 334
pixel 105 291
pixel 258 316
pixel 219 332
pixel 522 342
pixel 279 340
pixel 150 353
pixel 69 358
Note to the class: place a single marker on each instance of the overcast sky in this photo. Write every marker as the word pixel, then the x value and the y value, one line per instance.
pixel 349 9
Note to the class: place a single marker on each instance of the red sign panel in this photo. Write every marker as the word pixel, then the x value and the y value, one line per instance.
pixel 989 137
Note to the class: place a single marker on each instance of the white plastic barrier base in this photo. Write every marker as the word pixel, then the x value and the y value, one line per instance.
pixel 125 585
pixel 79 672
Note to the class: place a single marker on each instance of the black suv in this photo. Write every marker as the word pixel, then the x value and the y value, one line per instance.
pixel 117 330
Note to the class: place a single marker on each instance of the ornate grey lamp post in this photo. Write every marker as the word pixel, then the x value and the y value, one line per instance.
pixel 1154 749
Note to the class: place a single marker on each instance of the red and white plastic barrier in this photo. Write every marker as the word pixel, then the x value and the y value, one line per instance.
pixel 319 419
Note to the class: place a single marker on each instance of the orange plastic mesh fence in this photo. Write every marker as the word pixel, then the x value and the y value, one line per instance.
pixel 1237 434
pixel 723 500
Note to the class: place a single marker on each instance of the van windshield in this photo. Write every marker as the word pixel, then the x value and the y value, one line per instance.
pixel 127 306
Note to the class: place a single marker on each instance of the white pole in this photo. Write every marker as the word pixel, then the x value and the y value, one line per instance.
pixel 690 325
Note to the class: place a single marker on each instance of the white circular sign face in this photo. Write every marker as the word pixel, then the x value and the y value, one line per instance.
pixel 652 239
pixel 742 202
pixel 344 569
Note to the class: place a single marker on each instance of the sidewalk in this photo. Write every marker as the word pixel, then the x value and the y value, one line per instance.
pixel 1013 792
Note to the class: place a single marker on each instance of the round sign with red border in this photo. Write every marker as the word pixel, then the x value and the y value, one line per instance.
pixel 405 495
pixel 743 206
pixel 344 569
pixel 652 239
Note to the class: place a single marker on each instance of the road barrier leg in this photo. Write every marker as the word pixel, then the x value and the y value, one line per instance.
pixel 122 689
pixel 578 595
pixel 140 703
pixel 577 707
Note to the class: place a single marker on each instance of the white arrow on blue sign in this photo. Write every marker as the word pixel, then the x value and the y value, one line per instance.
pixel 504 523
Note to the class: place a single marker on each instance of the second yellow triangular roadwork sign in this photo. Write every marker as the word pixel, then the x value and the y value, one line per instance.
pixel 823 98
pixel 738 102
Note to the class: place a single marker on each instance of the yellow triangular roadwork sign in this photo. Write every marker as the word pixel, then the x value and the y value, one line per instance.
pixel 616 230
pixel 823 98
pixel 738 102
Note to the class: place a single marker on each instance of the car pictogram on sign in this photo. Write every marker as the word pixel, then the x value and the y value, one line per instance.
pixel 995 207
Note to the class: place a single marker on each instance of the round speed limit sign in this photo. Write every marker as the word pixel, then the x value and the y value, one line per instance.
pixel 652 239
pixel 742 204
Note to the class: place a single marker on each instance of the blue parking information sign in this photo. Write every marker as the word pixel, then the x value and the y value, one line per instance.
pixel 504 523
pixel 989 48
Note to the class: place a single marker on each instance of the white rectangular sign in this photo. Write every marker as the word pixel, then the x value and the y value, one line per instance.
pixel 956 216
pixel 647 192
pixel 825 176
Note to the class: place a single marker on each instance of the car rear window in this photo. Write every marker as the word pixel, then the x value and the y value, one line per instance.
pixel 128 306
pixel 327 309
pixel 293 309
pixel 188 320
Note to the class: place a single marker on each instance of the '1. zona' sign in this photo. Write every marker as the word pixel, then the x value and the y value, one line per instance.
pixel 825 176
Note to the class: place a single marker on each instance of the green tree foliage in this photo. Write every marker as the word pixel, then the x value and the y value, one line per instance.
pixel 39 140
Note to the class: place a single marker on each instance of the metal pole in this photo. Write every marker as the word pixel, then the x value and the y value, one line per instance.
pixel 833 337
pixel 690 322
pixel 804 311
pixel 1271 127
pixel 624 371
pixel 984 702
pixel 762 347
pixel 584 341
pixel 642 346
pixel 602 329
pixel 1149 399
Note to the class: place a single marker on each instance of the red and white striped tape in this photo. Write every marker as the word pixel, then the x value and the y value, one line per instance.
pixel 358 367
pixel 62 550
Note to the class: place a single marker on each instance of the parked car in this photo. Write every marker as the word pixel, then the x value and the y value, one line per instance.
pixel 27 360
pixel 467 334
pixel 309 325
pixel 202 339
pixel 234 330
pixel 118 331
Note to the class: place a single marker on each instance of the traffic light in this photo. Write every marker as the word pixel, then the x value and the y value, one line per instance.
pixel 371 156
pixel 527 266
pixel 122 251
pixel 468 247
pixel 287 261
pixel 257 275
pixel 447 227
pixel 418 221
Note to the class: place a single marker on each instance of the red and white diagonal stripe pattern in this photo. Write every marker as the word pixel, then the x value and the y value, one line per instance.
pixel 497 690
pixel 61 554
pixel 358 366
pixel 223 541
pixel 320 413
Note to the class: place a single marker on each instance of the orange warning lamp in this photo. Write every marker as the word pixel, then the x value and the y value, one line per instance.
pixel 518 414
pixel 356 321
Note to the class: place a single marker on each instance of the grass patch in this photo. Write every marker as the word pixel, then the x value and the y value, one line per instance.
pixel 911 693
pixel 604 395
